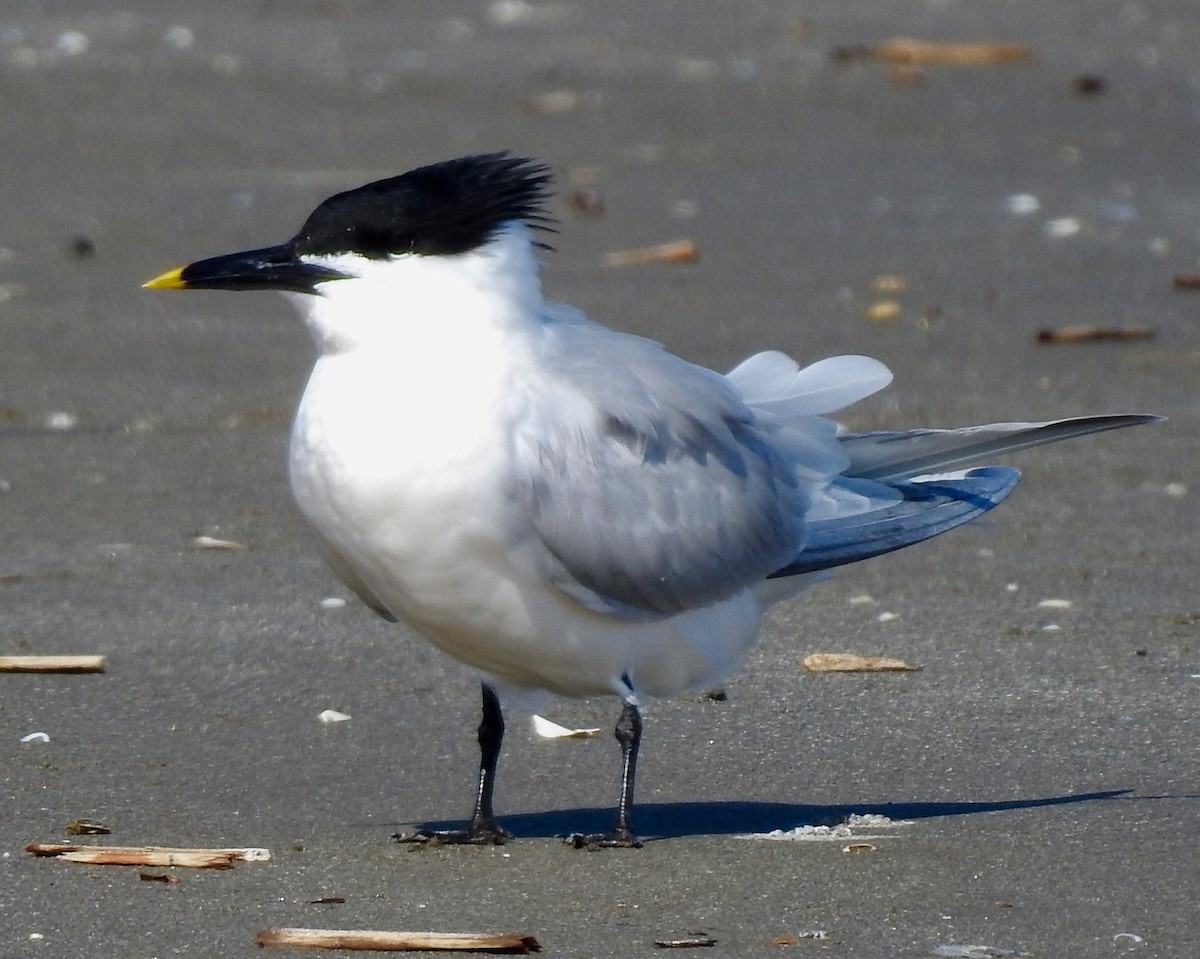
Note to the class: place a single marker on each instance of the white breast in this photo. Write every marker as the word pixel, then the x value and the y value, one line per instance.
pixel 400 461
pixel 401 477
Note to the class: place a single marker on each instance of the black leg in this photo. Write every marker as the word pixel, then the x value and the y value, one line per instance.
pixel 483 829
pixel 629 735
pixel 491 736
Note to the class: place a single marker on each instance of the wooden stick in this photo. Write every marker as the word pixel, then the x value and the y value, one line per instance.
pixel 910 52
pixel 677 251
pixel 1093 334
pixel 148 855
pixel 853 663
pixel 51 664
pixel 387 941
pixel 689 942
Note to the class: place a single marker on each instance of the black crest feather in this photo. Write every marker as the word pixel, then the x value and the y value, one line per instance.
pixel 445 208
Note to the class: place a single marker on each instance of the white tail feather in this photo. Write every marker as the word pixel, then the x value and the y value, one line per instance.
pixel 774 382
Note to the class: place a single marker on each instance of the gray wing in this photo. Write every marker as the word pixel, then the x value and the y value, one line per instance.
pixel 649 486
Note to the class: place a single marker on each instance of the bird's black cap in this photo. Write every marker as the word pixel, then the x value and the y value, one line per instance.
pixel 438 210
pixel 445 208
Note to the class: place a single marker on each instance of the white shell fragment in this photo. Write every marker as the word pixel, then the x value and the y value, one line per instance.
pixel 1055 604
pixel 856 827
pixel 551 730
pixel 38 737
pixel 61 420
pixel 1022 204
pixel 72 43
pixel 332 716
pixel 333 602
pixel 1063 227
pixel 211 542
pixel 179 37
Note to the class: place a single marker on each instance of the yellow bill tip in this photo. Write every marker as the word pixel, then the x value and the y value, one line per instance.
pixel 171 280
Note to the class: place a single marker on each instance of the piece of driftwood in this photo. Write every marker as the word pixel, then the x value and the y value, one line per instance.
pixel 388 941
pixel 148 855
pixel 910 52
pixel 1085 333
pixel 853 663
pixel 52 664
pixel 677 251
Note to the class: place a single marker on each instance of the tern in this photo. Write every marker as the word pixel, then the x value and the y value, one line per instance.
pixel 565 508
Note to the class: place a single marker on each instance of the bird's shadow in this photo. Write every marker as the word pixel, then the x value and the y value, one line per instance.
pixel 677 820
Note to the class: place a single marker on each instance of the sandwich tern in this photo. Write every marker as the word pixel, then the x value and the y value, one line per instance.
pixel 563 507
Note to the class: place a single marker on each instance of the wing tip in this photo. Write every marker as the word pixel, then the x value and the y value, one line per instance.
pixel 933 504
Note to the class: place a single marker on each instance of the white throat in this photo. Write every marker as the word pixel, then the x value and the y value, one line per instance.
pixel 414 301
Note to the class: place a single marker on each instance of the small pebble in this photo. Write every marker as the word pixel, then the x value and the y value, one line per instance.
pixel 83 246
pixel 1089 84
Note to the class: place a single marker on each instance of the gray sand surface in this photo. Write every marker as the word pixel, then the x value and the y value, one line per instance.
pixel 1044 760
